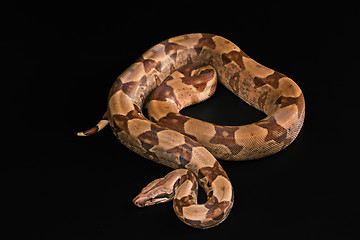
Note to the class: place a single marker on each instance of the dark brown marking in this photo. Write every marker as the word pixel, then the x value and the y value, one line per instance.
pixel 287 101
pixel 194 223
pixel 182 152
pixel 216 208
pixel 172 49
pixel 272 80
pixel 163 93
pixel 148 139
pixel 275 132
pixel 178 208
pixel 188 176
pixel 234 82
pixel 199 82
pixel 225 135
pixel 211 173
pixel 143 81
pixel 234 56
pixel 146 87
pixel 208 73
pixel 156 128
pixel 121 121
pixel 178 204
pixel 174 121
pixel 128 88
pixel 187 69
pixel 205 41
pixel 91 131
pixel 149 64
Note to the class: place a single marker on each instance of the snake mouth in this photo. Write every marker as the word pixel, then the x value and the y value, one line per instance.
pixel 143 201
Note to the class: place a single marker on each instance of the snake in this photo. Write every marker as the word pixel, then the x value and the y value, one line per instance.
pixel 177 73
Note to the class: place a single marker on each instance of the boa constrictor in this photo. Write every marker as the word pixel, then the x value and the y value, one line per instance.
pixel 184 71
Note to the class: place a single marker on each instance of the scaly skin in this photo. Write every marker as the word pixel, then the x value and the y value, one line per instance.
pixel 194 61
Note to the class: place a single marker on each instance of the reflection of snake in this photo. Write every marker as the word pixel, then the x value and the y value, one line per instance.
pixel 190 64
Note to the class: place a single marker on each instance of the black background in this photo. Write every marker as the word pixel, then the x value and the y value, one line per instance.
pixel 64 58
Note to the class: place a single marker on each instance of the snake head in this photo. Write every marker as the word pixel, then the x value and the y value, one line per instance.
pixel 158 191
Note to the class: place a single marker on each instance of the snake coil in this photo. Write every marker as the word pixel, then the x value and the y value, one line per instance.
pixel 183 70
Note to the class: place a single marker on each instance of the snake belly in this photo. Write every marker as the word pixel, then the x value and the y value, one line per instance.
pixel 269 91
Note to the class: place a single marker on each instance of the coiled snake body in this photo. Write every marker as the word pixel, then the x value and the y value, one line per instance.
pixel 183 70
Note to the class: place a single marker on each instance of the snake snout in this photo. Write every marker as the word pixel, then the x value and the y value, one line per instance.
pixel 156 192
